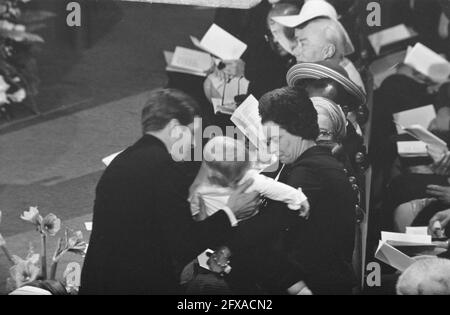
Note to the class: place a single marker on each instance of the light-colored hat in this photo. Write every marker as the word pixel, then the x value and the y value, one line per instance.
pixel 28 290
pixel 313 9
pixel 334 113
pixel 324 70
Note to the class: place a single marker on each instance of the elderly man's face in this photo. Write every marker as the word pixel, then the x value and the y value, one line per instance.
pixel 310 44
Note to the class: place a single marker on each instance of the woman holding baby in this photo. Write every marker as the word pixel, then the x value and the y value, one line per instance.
pixel 282 248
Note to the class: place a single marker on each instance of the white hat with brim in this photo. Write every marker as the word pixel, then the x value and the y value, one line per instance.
pixel 311 9
pixel 314 9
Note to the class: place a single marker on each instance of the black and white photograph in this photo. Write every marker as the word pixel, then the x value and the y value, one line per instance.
pixel 224 153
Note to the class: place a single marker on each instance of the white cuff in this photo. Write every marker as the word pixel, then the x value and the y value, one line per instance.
pixel 231 216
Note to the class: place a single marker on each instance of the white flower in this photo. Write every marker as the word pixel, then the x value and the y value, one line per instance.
pixel 32 216
pixel 19 28
pixel 18 96
pixel 3 98
pixel 51 224
pixel 3 85
pixel 6 25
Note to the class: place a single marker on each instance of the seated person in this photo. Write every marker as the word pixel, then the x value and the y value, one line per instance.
pixel 266 60
pixel 322 245
pixel 320 36
pixel 227 164
pixel 329 80
pixel 426 277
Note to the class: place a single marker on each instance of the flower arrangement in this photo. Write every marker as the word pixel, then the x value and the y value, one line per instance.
pixel 18 70
pixel 25 271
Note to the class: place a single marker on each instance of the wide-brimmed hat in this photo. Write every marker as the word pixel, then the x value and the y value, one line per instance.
pixel 323 70
pixel 314 9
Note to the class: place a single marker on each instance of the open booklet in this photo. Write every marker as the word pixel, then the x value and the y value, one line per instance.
pixel 429 63
pixel 425 136
pixel 418 116
pixel 221 44
pixel 188 61
pixel 246 117
pixel 407 240
pixel 390 36
pixel 393 257
pixel 412 149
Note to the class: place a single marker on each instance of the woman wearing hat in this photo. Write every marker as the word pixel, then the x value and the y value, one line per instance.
pixel 330 81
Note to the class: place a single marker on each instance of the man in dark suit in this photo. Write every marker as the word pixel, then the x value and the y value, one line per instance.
pixel 143 232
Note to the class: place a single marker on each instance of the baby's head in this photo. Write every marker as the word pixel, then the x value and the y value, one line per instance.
pixel 227 161
pixel 426 277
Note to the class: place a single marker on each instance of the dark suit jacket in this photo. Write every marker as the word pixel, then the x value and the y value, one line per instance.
pixel 322 247
pixel 143 232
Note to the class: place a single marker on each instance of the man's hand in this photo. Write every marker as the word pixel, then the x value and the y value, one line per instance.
pixel 244 205
pixel 441 193
pixel 442 217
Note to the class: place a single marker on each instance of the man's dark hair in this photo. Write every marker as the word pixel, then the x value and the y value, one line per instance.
pixel 292 110
pixel 163 105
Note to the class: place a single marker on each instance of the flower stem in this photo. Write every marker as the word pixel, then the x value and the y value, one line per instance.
pixel 53 270
pixel 44 256
pixel 8 255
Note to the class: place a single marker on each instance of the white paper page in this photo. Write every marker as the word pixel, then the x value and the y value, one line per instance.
pixel 423 230
pixel 108 160
pixel 426 136
pixel 220 43
pixel 88 226
pixel 247 119
pixel 393 257
pixel 389 36
pixel 429 63
pixel 419 116
pixel 191 60
pixel 203 259
pixel 168 56
pixel 400 239
pixel 412 148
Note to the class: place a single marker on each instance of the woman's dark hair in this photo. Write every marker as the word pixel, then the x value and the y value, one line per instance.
pixel 163 105
pixel 291 109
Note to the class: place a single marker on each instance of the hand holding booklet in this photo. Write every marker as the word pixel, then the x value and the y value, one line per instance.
pixel 429 63
pixel 188 61
pixel 422 134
